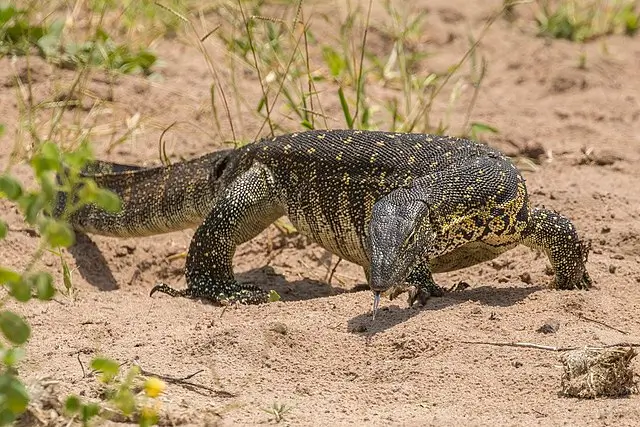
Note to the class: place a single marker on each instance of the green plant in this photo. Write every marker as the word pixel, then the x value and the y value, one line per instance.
pixel 121 395
pixel 36 207
pixel 583 20
pixel 278 410
pixel 51 151
pixel 18 36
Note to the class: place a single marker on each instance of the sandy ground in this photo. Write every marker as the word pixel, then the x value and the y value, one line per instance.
pixel 318 351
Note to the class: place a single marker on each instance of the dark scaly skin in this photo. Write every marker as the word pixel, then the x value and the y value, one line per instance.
pixel 441 204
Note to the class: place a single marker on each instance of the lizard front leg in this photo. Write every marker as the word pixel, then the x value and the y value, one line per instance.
pixel 244 209
pixel 420 286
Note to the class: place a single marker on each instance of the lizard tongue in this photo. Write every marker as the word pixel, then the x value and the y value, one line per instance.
pixel 376 303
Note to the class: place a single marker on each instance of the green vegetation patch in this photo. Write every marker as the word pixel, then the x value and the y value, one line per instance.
pixel 583 20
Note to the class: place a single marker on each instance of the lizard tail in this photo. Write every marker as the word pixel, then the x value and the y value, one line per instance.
pixel 155 200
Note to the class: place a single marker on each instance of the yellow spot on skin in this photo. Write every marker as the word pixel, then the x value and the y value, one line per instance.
pixel 311 150
pixel 417 146
pixel 339 156
pixel 373 157
pixel 346 178
pixel 412 160
pixel 382 178
pixel 380 143
pixel 357 132
pixel 321 136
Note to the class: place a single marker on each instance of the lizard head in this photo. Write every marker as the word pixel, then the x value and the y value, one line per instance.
pixel 400 235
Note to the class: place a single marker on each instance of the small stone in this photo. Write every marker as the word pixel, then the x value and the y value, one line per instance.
pixel 612 269
pixel 526 278
pixel 549 327
pixel 360 329
pixel 534 151
pixel 605 229
pixel 617 256
pixel 516 364
pixel 279 328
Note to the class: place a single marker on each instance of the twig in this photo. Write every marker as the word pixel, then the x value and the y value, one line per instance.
pixel 333 271
pixel 549 347
pixel 84 375
pixel 183 381
pixel 582 316
pixel 522 345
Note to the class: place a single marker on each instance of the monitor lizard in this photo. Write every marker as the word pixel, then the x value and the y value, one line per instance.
pixel 401 205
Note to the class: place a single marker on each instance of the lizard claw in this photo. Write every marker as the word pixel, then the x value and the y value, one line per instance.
pixel 423 293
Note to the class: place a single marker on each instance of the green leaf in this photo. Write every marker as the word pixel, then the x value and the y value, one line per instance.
pixel 47 159
pixel 334 61
pixel 14 328
pixel 125 401
pixel 43 284
pixel 66 274
pixel 57 233
pixel 108 200
pixel 109 368
pixel 89 411
pixel 273 296
pixel 32 204
pixel 7 13
pixel 20 290
pixel 8 276
pixel 72 404
pixel 14 395
pixel 345 108
pixel 3 229
pixel 478 128
pixel 11 356
pixel 10 188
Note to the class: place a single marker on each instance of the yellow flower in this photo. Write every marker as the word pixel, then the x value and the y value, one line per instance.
pixel 153 387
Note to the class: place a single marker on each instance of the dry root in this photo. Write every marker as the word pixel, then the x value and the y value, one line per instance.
pixel 596 372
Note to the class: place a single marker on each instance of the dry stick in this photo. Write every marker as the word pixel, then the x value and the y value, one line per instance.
pixel 84 374
pixel 183 381
pixel 212 69
pixel 457 66
pixel 333 270
pixel 582 316
pixel 162 146
pixel 547 347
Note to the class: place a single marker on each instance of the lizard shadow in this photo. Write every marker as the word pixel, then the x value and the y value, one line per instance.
pixel 394 314
pixel 296 290
pixel 92 265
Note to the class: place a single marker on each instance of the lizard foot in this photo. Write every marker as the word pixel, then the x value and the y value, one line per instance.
pixel 584 283
pixel 224 294
pixel 422 292
pixel 416 292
